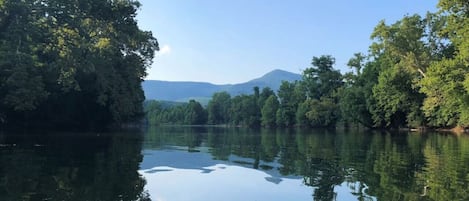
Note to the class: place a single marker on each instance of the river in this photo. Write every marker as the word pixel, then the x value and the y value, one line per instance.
pixel 200 163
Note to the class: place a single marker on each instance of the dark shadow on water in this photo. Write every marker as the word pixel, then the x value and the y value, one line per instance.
pixel 273 180
pixel 159 170
pixel 71 166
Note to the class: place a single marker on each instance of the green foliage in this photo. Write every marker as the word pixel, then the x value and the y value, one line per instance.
pixel 263 107
pixel 322 113
pixel 245 109
pixel 404 56
pixel 457 27
pixel 250 112
pixel 321 83
pixel 269 111
pixel 445 92
pixel 356 98
pixel 353 106
pixel 152 110
pixel 235 110
pixel 416 73
pixel 396 98
pixel 72 63
pixel 301 119
pixel 321 79
pixel 264 95
pixel 446 84
pixel 289 101
pixel 219 108
pixel 191 113
pixel 195 114
pixel 356 62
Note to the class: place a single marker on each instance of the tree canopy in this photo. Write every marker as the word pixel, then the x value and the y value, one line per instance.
pixel 74 63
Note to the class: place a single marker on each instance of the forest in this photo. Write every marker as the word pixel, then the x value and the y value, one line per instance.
pixel 414 75
pixel 72 63
pixel 81 64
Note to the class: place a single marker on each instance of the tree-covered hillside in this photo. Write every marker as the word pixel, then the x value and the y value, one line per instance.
pixel 72 63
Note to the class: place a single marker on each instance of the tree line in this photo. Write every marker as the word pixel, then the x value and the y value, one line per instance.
pixel 72 63
pixel 309 102
pixel 415 74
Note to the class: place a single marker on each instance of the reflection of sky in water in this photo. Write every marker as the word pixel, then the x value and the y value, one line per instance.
pixel 177 175
pixel 222 183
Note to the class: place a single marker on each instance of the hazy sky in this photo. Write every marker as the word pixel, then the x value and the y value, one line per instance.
pixel 233 41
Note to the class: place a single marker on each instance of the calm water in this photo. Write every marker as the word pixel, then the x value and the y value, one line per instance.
pixel 173 164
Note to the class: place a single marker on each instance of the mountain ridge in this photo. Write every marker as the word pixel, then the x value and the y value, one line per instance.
pixel 182 91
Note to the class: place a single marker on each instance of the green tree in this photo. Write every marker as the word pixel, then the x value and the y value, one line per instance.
pixel 22 87
pixel 264 95
pixel 445 103
pixel 72 63
pixel 245 111
pixel 303 108
pixel 404 55
pixel 322 83
pixel 398 101
pixel 321 113
pixel 250 113
pixel 255 118
pixel 218 108
pixel 152 111
pixel 356 93
pixel 445 86
pixel 195 114
pixel 289 101
pixel 321 79
pixel 236 107
pixel 269 111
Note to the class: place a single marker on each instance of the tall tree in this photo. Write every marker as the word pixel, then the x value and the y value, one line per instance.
pixel 289 99
pixel 321 79
pixel 250 112
pixel 446 84
pixel 352 102
pixel 264 95
pixel 269 111
pixel 195 114
pixel 401 51
pixel 218 108
pixel 321 82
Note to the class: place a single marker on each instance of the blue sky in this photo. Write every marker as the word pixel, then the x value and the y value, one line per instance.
pixel 233 41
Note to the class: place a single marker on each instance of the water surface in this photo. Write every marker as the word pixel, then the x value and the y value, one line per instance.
pixel 183 163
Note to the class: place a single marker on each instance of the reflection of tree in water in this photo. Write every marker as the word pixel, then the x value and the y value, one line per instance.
pixel 446 175
pixel 319 163
pixel 324 175
pixel 72 167
pixel 379 166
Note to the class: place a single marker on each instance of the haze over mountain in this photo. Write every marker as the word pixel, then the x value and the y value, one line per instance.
pixel 184 91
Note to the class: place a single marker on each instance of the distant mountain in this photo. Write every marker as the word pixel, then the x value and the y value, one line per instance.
pixel 272 79
pixel 184 91
pixel 178 91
